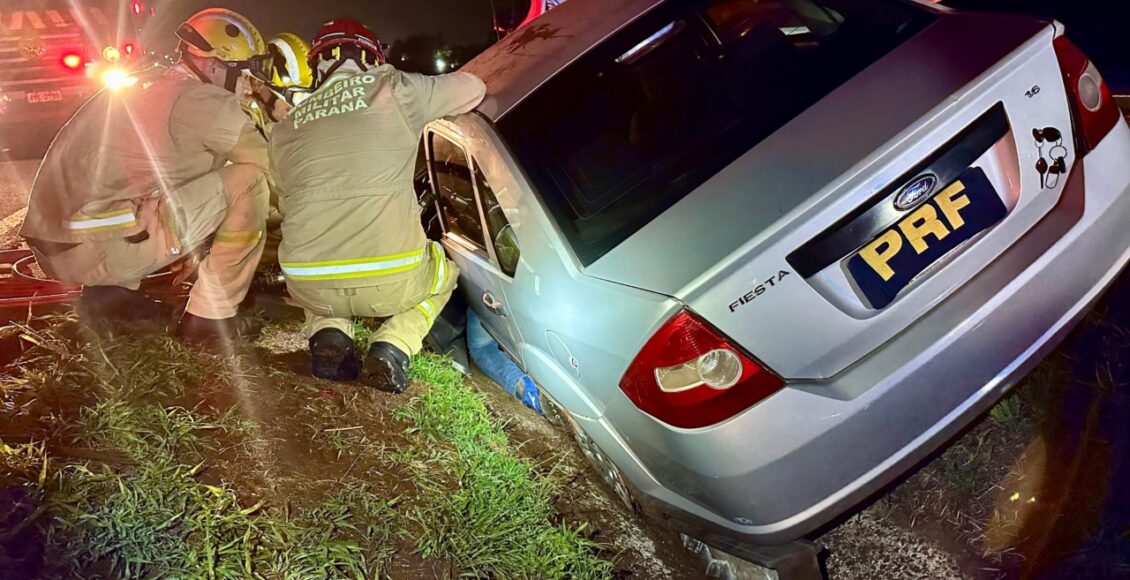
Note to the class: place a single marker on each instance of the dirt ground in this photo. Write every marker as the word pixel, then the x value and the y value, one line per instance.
pixel 15 183
pixel 651 550
pixel 1034 489
pixel 303 439
pixel 640 548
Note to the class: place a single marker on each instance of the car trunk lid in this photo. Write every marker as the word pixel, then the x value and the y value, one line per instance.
pixel 764 253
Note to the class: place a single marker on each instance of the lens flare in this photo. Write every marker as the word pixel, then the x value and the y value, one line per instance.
pixel 116 79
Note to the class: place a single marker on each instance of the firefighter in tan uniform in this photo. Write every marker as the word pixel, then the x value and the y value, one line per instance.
pixel 273 95
pixel 140 177
pixel 285 81
pixel 353 244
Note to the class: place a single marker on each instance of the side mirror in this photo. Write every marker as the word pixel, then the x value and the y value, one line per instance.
pixel 506 246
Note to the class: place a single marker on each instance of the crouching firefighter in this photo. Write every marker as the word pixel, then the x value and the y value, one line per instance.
pixel 140 177
pixel 352 241
pixel 281 83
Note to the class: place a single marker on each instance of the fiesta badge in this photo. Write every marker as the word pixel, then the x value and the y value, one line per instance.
pixel 915 191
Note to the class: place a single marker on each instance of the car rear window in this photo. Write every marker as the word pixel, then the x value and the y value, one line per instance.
pixel 655 110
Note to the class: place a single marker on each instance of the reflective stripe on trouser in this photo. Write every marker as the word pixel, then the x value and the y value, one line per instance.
pixel 410 306
pixel 226 273
pixel 230 202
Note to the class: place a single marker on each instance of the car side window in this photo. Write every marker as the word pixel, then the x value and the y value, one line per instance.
pixel 455 191
pixel 501 234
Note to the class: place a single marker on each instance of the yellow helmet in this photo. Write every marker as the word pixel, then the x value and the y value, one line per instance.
pixel 289 66
pixel 222 34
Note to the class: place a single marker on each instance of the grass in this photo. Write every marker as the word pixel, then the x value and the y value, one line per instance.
pixel 154 515
pixel 1009 412
pixel 363 331
pixel 124 475
pixel 482 506
pixel 980 495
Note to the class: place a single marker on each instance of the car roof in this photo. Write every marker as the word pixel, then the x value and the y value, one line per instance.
pixel 516 66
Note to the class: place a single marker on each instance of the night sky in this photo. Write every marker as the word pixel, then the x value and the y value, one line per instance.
pixel 458 21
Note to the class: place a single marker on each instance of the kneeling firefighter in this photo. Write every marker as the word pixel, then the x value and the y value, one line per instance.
pixel 353 244
pixel 282 83
pixel 140 177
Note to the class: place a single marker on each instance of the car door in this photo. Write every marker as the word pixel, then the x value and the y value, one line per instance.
pixel 476 234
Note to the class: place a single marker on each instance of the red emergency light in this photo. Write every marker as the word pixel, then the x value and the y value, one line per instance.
pixel 72 60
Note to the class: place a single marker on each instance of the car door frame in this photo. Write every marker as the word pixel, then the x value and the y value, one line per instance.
pixel 502 327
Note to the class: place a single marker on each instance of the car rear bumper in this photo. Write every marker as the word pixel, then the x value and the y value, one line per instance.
pixel 27 133
pixel 803 457
pixel 15 112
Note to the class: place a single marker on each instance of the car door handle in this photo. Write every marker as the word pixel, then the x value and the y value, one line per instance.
pixel 493 304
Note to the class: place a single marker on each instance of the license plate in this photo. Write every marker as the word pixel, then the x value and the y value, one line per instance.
pixel 883 267
pixel 44 96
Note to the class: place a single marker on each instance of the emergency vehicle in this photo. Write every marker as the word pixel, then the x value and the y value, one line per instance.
pixel 54 54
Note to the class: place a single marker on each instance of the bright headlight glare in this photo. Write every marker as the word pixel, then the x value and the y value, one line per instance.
pixel 116 78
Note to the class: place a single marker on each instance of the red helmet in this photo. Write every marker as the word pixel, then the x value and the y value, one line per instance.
pixel 357 41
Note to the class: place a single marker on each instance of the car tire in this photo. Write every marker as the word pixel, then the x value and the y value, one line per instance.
pixel 608 471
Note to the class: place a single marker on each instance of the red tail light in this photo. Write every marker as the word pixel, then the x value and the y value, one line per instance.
pixel 689 375
pixel 128 48
pixel 72 60
pixel 1093 110
pixel 136 7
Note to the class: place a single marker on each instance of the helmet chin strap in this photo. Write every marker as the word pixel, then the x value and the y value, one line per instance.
pixel 191 66
pixel 231 79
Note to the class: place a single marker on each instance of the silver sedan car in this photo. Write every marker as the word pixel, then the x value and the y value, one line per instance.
pixel 767 255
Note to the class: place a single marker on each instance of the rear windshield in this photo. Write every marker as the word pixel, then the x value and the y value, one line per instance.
pixel 657 109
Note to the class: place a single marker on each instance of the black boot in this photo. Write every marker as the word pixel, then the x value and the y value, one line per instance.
pixel 334 355
pixel 100 305
pixel 208 333
pixel 386 368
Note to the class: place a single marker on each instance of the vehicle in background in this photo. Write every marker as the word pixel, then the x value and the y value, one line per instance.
pixel 54 54
pixel 509 22
pixel 765 256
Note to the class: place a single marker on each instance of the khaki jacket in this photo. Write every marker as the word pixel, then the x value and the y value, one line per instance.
pixel 343 163
pixel 111 169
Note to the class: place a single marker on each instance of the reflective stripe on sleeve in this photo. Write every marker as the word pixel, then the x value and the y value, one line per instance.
pixel 245 237
pixel 357 268
pixel 428 308
pixel 440 260
pixel 121 219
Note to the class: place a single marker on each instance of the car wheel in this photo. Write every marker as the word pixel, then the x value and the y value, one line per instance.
pixel 596 458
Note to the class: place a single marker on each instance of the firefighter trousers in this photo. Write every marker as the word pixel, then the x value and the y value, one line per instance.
pixel 409 305
pixel 228 206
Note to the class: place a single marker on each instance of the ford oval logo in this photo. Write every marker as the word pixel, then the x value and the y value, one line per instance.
pixel 915 192
pixel 31 47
